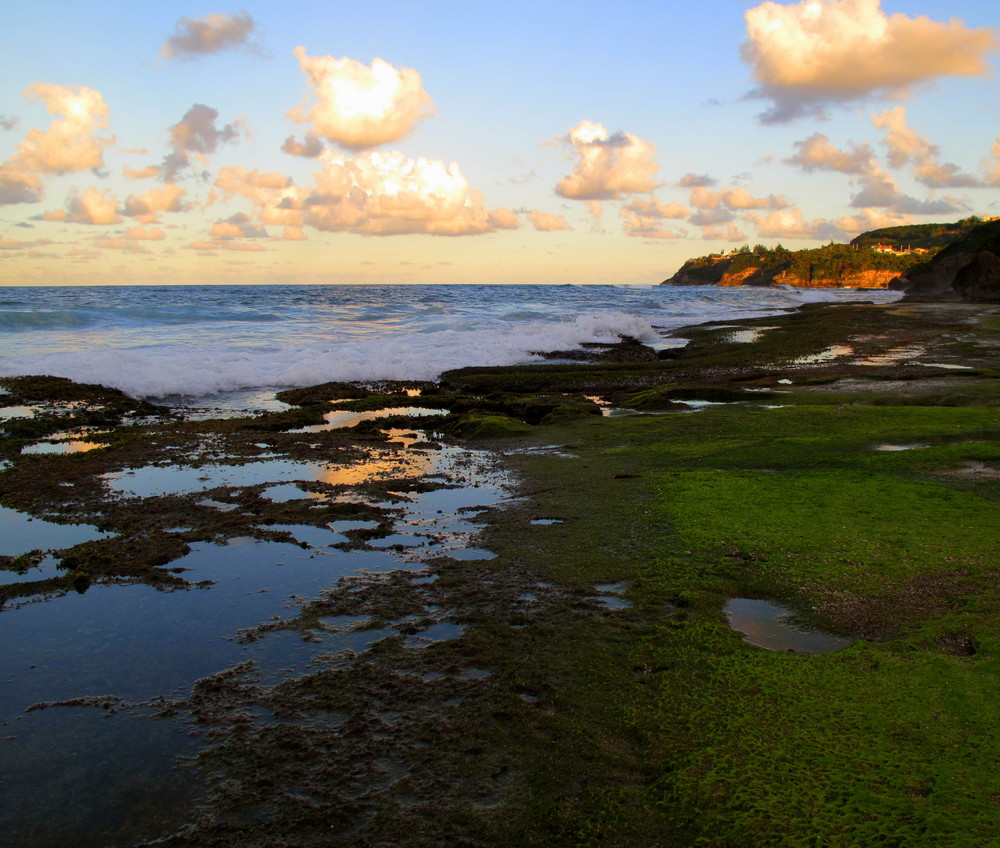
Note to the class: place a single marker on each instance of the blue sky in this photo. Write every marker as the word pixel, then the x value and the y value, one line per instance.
pixel 554 143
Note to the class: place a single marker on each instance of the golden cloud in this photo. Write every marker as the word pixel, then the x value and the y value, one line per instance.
pixel 609 165
pixel 808 55
pixel 907 145
pixel 146 208
pixel 546 222
pixel 69 145
pixel 790 224
pixel 359 106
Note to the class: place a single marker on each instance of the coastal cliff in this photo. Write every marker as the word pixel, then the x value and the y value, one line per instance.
pixel 925 257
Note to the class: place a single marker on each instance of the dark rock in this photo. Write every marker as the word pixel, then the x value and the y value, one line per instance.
pixel 932 281
pixel 979 280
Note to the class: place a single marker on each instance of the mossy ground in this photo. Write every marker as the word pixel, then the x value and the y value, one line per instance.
pixel 714 742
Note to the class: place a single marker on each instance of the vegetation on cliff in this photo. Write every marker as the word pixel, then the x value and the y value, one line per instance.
pixel 891 250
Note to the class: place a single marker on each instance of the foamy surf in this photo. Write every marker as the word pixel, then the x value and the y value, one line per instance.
pixel 201 341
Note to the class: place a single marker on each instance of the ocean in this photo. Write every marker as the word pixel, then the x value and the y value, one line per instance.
pixel 244 341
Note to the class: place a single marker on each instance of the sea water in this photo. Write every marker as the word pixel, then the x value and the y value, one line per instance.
pixel 198 341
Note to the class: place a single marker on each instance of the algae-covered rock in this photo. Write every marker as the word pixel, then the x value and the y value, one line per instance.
pixel 487 425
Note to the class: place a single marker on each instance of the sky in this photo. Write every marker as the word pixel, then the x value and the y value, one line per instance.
pixel 443 142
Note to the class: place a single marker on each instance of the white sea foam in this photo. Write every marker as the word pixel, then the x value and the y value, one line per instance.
pixel 206 340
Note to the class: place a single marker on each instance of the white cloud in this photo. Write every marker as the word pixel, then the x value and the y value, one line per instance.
pixel 808 55
pixel 211 34
pixel 609 165
pixel 360 106
pixel 546 222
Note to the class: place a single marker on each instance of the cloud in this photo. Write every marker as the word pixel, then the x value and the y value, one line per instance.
pixel 735 199
pixel 146 208
pixel 643 216
pixel 790 224
pixel 69 145
pixel 730 233
pixel 907 145
pixel 696 180
pixel 711 217
pixel 142 234
pixel 871 219
pixel 310 148
pixel 503 218
pixel 389 194
pixel 806 56
pixel 91 207
pixel 140 174
pixel 195 136
pixel 237 226
pixel 546 222
pixel 127 245
pixel 360 106
pixel 9 122
pixel 213 33
pixel 816 153
pixel 992 165
pixel 221 244
pixel 877 188
pixel 609 165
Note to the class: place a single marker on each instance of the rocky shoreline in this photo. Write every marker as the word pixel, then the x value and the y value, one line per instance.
pixel 582 686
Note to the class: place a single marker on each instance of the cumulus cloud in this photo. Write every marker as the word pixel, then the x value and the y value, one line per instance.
pixel 195 137
pixel 142 234
pixel 547 222
pixel 609 165
pixel 237 226
pixel 992 165
pixel 69 145
pixel 876 187
pixel 388 193
pixel 92 207
pixel 734 199
pixel 8 122
pixel 817 153
pixel 360 106
pixel 711 217
pixel 729 233
pixel 643 217
pixel 146 208
pixel 906 145
pixel 790 224
pixel 213 33
pixel 871 219
pixel 140 173
pixel 503 218
pixel 696 180
pixel 806 56
pixel 310 148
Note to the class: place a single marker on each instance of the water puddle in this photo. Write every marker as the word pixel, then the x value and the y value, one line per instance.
pixel 62 447
pixel 610 596
pixel 544 522
pixel 8 412
pixel 895 448
pixel 343 418
pixel 775 627
pixel 828 355
pixel 947 366
pixel 20 533
pixel 893 356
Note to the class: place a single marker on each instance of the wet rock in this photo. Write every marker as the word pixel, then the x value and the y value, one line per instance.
pixel 979 280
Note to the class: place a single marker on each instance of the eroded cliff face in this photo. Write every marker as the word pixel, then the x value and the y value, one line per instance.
pixel 861 279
